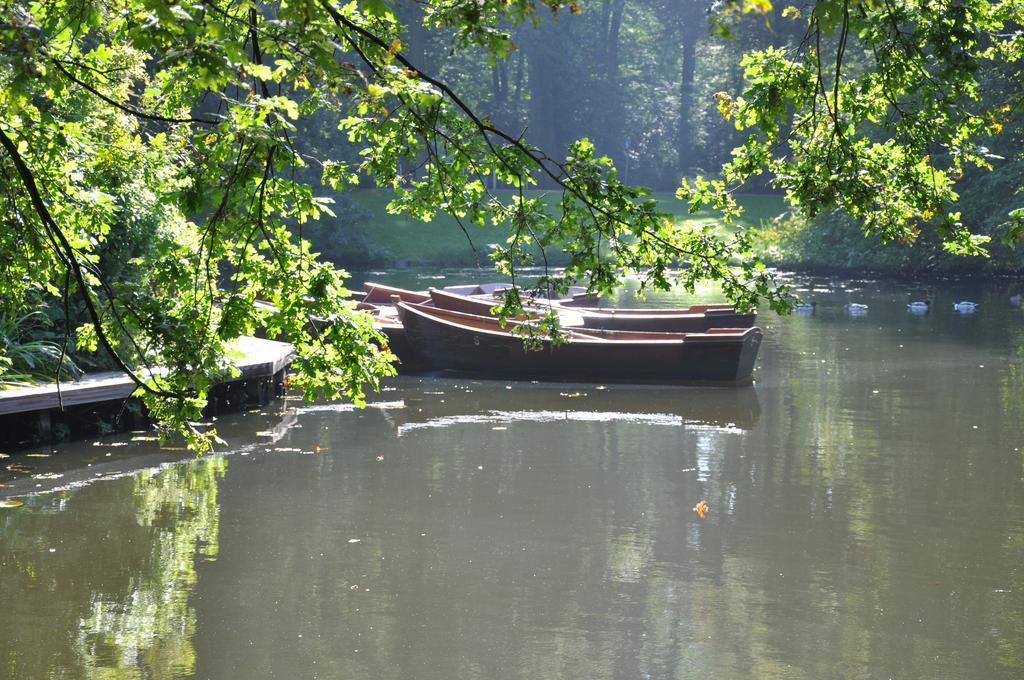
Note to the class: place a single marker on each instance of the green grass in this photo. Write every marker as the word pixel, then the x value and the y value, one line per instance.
pixel 757 208
pixel 399 239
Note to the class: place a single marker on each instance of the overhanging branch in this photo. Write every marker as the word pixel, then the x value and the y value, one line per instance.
pixel 67 253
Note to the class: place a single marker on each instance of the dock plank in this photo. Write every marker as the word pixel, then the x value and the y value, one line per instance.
pixel 260 358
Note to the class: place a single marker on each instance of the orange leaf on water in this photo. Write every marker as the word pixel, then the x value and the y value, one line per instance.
pixel 701 509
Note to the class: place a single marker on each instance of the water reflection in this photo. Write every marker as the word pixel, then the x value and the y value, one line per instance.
pixel 866 520
pixel 449 402
pixel 97 583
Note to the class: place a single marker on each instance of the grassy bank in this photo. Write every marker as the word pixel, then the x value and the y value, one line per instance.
pixel 378 237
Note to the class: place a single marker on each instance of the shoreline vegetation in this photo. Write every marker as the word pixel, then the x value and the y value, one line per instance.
pixel 366 235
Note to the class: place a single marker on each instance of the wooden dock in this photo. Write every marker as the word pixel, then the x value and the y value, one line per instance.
pixel 261 369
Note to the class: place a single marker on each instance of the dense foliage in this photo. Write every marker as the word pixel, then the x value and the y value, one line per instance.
pixel 879 109
pixel 161 161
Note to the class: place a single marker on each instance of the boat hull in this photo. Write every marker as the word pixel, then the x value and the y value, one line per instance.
pixel 409 360
pixel 715 358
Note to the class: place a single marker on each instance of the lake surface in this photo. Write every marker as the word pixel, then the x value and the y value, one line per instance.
pixel 865 520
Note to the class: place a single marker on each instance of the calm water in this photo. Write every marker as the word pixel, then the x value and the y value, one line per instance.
pixel 866 520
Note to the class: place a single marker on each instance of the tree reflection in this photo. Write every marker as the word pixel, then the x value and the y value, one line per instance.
pixel 115 591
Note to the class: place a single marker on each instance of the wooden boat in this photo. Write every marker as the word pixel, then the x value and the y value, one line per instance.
pixel 468 304
pixel 578 296
pixel 451 340
pixel 378 299
pixel 695 319
pixel 380 294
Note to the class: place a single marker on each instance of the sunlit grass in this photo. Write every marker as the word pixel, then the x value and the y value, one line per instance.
pixel 442 241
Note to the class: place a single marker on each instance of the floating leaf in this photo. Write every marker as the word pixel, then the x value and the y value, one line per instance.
pixel 10 503
pixel 701 509
pixel 355 540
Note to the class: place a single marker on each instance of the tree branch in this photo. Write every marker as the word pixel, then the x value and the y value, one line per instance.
pixel 138 113
pixel 67 253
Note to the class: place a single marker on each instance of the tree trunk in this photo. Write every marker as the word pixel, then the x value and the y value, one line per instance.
pixel 613 123
pixel 542 118
pixel 517 97
pixel 612 41
pixel 499 93
pixel 550 107
pixel 685 143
